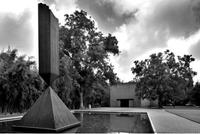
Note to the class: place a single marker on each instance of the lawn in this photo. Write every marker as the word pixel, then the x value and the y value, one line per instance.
pixel 192 114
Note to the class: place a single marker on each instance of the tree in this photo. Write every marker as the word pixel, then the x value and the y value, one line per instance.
pixel 88 51
pixel 63 84
pixel 195 94
pixel 164 77
pixel 20 85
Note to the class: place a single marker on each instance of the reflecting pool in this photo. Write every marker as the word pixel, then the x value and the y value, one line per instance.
pixel 92 122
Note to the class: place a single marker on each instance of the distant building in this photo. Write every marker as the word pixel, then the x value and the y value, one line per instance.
pixel 124 95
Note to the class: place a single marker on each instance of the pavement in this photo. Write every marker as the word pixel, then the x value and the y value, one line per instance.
pixel 161 120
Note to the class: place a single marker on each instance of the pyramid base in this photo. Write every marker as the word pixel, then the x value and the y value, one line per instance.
pixel 40 129
pixel 48 114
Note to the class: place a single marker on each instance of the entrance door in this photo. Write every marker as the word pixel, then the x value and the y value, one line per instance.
pixel 124 103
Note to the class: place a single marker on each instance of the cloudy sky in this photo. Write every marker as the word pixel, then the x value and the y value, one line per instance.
pixel 142 27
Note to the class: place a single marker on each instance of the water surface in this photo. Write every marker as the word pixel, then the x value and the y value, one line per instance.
pixel 92 122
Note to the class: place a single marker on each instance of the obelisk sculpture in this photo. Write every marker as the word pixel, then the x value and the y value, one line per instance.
pixel 48 44
pixel 48 113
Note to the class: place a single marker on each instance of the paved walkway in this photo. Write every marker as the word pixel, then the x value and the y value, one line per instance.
pixel 162 121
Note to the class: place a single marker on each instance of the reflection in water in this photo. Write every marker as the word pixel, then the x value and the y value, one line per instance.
pixel 81 115
pixel 105 122
pixel 6 127
pixel 102 123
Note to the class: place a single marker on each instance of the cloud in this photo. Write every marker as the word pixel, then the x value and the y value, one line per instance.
pixel 104 14
pixel 159 25
pixel 196 67
pixel 15 7
pixel 61 7
pixel 11 26
pixel 17 31
pixel 177 17
pixel 195 50
pixel 19 23
pixel 141 26
pixel 18 26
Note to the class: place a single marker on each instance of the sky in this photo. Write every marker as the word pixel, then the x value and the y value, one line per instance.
pixel 142 27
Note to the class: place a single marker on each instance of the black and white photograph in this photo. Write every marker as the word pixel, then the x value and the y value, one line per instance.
pixel 100 66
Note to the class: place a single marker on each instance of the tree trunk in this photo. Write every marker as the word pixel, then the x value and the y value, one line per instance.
pixel 81 100
pixel 2 108
pixel 150 102
pixel 160 101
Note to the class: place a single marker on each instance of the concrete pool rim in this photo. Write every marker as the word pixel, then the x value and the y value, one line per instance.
pixel 40 129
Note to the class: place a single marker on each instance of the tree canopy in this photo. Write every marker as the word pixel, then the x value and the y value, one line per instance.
pixel 20 84
pixel 85 69
pixel 164 77
pixel 195 94
pixel 88 51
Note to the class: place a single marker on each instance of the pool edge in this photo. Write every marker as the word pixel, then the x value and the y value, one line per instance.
pixel 152 125
pixel 10 118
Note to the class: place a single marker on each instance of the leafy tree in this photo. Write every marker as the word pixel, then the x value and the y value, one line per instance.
pixel 88 50
pixel 164 77
pixel 195 94
pixel 20 85
pixel 63 84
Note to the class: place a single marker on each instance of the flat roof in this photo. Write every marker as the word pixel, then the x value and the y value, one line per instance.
pixel 124 99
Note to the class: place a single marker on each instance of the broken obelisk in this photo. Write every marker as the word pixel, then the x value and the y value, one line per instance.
pixel 48 44
pixel 48 113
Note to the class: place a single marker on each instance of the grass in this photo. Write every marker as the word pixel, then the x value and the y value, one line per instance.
pixel 189 113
